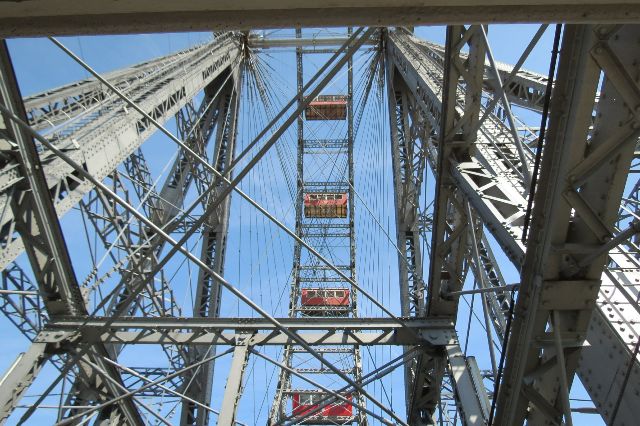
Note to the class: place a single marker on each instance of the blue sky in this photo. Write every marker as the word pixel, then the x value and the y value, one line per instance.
pixel 258 256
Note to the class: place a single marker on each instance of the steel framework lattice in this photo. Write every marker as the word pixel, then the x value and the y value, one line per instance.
pixel 497 230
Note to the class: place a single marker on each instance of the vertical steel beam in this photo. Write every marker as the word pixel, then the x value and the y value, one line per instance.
pixel 457 134
pixel 233 390
pixel 584 168
pixel 407 156
pixel 19 376
pixel 455 131
pixel 213 251
pixel 407 181
pixel 357 360
pixel 470 393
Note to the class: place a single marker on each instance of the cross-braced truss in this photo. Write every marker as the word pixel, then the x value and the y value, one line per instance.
pixel 494 256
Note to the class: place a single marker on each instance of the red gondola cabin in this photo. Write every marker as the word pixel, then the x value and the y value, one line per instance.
pixel 338 412
pixel 325 205
pixel 325 297
pixel 327 107
pixel 324 301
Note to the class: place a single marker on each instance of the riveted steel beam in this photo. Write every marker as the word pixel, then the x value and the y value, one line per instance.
pixel 48 256
pixel 19 376
pixel 41 17
pixel 208 290
pixel 575 207
pixel 498 196
pixel 233 389
pixel 89 141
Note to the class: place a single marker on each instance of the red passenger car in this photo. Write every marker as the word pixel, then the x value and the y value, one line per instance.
pixel 325 302
pixel 337 412
pixel 327 107
pixel 325 205
pixel 325 297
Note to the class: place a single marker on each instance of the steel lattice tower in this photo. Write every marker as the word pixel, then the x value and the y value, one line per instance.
pixel 337 237
pixel 496 172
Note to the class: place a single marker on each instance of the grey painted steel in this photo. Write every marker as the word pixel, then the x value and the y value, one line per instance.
pixel 254 324
pixel 177 246
pixel 153 205
pixel 450 232
pixel 142 388
pixel 498 197
pixel 475 255
pixel 90 141
pixel 448 263
pixel 525 88
pixel 613 332
pixel 19 376
pixel 469 389
pixel 224 192
pixel 491 179
pixel 311 339
pixel 581 190
pixel 361 417
pixel 42 17
pixel 506 106
pixel 408 161
pixel 163 387
pixel 601 334
pixel 64 105
pixel 223 331
pixel 428 339
pixel 255 40
pixel 47 251
pixel 208 291
pixel 161 207
pixel 26 312
pixel 233 390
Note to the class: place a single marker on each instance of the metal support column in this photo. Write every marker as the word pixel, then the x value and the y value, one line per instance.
pixel 470 393
pixel 19 376
pixel 46 247
pixel 575 207
pixel 213 250
pixel 233 390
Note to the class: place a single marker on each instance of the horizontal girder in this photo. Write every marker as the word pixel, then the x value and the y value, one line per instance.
pixel 45 17
pixel 266 43
pixel 250 324
pixel 208 338
pixel 230 331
